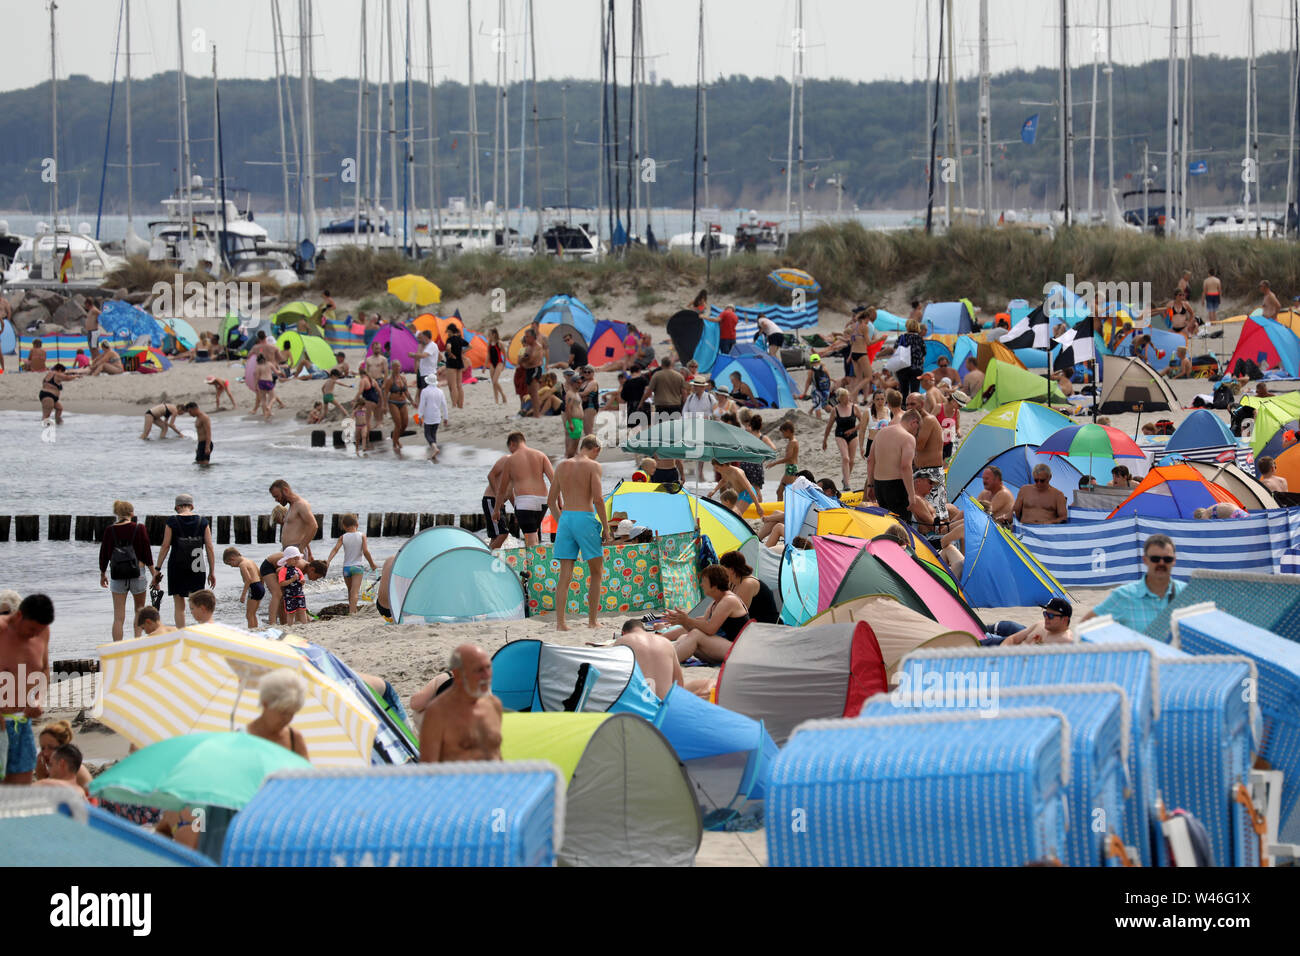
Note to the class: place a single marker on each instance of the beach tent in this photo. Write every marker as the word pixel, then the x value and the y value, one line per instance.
pixel 181 331
pixel 949 318
pixel 127 322
pixel 1004 383
pixel 457 814
pixel 1272 414
pixel 288 316
pixel 959 349
pixel 476 354
pixel 649 506
pixel 530 676
pixel 249 327
pixel 607 343
pixel 398 343
pixel 694 338
pixel 728 755
pixel 1161 353
pixel 867 522
pixel 783 676
pixel 1201 429
pixel 1287 464
pixel 556 349
pixel 228 333
pixel 1128 381
pixel 987 352
pixel 318 350
pixel 1017 464
pixel 798 586
pixel 935 350
pixel 898 629
pixel 446 573
pixel 1269 344
pixel 998 570
pixel 8 338
pixel 1019 423
pixel 1061 303
pixel 765 376
pixel 852 567
pixel 1172 491
pixel 345 334
pixel 147 358
pixel 888 322
pixel 628 801
pixel 1239 483
pixel 567 310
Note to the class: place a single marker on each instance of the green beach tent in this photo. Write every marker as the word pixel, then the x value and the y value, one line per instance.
pixel 319 352
pixel 1005 383
pixel 629 801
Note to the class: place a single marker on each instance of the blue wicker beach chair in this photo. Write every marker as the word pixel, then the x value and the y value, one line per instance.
pixel 43 826
pixel 1131 666
pixel 1205 738
pixel 1098 716
pixel 1202 629
pixel 1270 601
pixel 466 814
pixel 923 789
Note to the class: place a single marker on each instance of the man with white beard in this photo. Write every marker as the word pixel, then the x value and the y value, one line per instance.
pixel 464 723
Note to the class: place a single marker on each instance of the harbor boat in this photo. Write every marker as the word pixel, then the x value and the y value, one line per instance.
pixel 37 262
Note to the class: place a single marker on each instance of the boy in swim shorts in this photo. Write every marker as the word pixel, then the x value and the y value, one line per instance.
pixel 254 590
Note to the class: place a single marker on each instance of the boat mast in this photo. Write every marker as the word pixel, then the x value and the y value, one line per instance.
pixel 408 171
pixel 789 147
pixel 216 160
pixel 1290 143
pixel 1171 107
pixel 645 127
pixel 954 130
pixel 504 208
pixel 802 43
pixel 1111 203
pixel 704 114
pixel 185 127
pixel 634 126
pixel 537 136
pixel 435 204
pixel 392 118
pixel 1185 227
pixel 308 144
pixel 377 186
pixel 1067 120
pixel 985 144
pixel 54 152
pixel 474 186
pixel 1252 127
pixel 361 101
pixel 130 183
pixel 1092 128
pixel 564 158
pixel 279 107
pixel 934 122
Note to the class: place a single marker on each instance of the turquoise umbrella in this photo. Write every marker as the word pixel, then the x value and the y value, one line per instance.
pixel 691 439
pixel 196 770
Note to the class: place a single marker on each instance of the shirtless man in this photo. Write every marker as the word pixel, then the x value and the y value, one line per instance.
pixel 1185 285
pixel 203 426
pixel 108 362
pixel 1268 476
pixel 300 524
pixel 530 360
pixel 1040 503
pixel 996 499
pixel 25 665
pixel 1054 628
pixel 929 451
pixel 933 397
pixel 1211 288
pixel 581 529
pixel 266 347
pixel 525 479
pixel 729 476
pixel 375 364
pixel 890 464
pixel 465 722
pixel 164 417
pixel 1270 305
pixel 656 656
pixel 947 372
pixel 496 474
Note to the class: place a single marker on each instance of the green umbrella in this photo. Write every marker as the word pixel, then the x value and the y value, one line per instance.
pixel 698 438
pixel 208 770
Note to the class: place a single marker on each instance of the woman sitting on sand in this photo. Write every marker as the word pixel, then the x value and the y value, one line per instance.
pixel 281 694
pixel 709 638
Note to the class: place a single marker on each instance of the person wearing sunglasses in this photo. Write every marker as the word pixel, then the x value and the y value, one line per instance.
pixel 1054 628
pixel 1138 603
pixel 1040 503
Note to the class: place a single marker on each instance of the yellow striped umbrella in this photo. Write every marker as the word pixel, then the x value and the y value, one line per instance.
pixel 205 678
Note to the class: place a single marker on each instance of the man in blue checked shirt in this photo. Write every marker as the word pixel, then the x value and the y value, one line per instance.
pixel 1137 604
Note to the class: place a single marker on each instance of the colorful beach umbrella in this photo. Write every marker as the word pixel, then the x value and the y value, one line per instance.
pixel 414 289
pixel 148 357
pixel 693 439
pixel 1090 441
pixel 205 678
pixel 219 769
pixel 1173 491
pixel 794 279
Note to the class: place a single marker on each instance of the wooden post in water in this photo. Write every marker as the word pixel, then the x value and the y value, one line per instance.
pixel 4 527
pixel 223 529
pixel 243 528
pixel 265 530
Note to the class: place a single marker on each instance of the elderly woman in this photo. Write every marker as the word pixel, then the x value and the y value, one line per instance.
pixel 281 695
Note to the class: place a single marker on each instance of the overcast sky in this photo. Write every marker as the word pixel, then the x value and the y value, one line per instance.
pixel 850 39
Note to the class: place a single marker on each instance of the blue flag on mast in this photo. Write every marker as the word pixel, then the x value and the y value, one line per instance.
pixel 1029 130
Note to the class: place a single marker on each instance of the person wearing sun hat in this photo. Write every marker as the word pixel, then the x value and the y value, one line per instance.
pixel 817 385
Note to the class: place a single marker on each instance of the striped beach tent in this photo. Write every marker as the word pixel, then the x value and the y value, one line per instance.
pixel 787 317
pixel 205 678
pixel 342 334
pixel 58 348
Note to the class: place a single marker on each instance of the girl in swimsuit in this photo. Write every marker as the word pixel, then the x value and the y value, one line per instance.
pixel 52 391
pixel 398 395
pixel 497 361
pixel 844 418
pixel 710 637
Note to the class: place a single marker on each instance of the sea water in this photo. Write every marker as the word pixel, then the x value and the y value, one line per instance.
pixel 95 459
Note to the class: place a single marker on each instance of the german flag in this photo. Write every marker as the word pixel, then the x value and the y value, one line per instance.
pixel 65 265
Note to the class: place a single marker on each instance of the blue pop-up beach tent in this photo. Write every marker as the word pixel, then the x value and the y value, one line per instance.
pixel 1017 466
pixel 999 571
pixel 765 376
pixel 530 676
pixel 447 574
pixel 949 318
pixel 567 310
pixel 1201 429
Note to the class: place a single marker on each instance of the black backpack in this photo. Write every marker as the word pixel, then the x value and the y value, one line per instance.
pixel 123 565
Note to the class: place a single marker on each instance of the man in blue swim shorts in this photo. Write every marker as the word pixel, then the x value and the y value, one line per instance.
pixel 581 529
pixel 25 664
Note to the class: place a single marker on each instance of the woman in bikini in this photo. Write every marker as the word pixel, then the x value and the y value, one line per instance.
pixel 164 417
pixel 496 361
pixel 844 418
pixel 399 394
pixel 709 638
pixel 52 392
